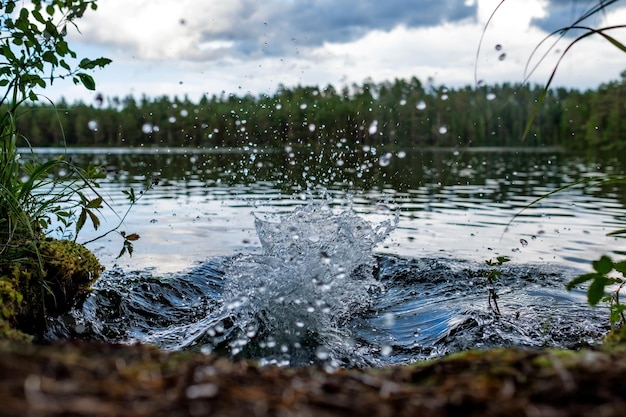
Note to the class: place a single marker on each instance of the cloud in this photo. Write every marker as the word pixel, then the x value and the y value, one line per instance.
pixel 563 13
pixel 192 30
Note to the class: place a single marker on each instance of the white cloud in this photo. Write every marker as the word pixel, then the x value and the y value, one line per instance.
pixel 191 47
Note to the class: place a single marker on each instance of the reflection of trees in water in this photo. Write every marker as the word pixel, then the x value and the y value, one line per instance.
pixel 501 175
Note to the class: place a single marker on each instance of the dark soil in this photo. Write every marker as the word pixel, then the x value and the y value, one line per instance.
pixel 94 379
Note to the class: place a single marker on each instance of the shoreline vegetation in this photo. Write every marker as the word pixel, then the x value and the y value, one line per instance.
pixel 402 113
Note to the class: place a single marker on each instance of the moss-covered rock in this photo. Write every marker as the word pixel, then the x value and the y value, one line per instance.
pixel 41 279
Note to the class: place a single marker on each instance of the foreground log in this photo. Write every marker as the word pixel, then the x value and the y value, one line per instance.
pixel 94 379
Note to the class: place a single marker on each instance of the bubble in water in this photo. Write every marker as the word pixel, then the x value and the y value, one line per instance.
pixel 385 160
pixel 421 105
pixel 443 130
pixel 93 125
pixel 373 127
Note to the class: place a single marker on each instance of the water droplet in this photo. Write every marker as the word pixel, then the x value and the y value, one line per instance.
pixel 421 105
pixel 498 47
pixel 299 324
pixel 385 160
pixel 444 97
pixel 523 242
pixel 171 119
pixel 491 96
pixel 322 353
pixel 403 102
pixel 386 350
pixel 147 128
pixel 401 154
pixel 443 130
pixel 389 319
pixel 373 127
pixel 303 106
pixel 279 106
pixel 93 125
pixel 184 113
pixel 312 127
pixel 502 56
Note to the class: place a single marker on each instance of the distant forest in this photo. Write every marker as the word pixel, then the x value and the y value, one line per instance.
pixel 404 112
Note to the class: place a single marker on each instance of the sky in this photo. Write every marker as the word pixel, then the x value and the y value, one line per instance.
pixel 197 47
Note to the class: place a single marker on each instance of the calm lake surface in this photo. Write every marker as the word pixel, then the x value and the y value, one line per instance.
pixel 455 203
pixel 216 220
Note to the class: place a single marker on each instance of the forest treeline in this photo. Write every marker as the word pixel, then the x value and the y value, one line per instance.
pixel 402 112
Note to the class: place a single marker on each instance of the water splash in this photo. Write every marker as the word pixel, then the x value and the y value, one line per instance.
pixel 319 294
pixel 315 274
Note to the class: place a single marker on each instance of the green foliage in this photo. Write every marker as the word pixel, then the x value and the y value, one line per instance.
pixel 406 114
pixel 34 49
pixel 38 275
pixel 606 273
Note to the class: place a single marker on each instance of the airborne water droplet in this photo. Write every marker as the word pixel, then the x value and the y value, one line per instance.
pixel 373 127
pixel 421 105
pixel 502 56
pixel 147 128
pixel 385 160
pixel 386 350
pixel 443 130
pixel 93 125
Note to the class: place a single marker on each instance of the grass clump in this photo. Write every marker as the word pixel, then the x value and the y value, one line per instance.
pixel 40 275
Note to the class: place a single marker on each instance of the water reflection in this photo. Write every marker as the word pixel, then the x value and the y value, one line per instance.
pixel 455 203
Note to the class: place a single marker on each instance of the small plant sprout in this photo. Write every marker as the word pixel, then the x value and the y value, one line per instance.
pixel 492 274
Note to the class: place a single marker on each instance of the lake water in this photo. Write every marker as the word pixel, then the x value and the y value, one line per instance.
pixel 394 242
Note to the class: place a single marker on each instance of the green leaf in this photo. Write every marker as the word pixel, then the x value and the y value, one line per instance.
pixel 9 7
pixel 603 266
pixel 620 267
pixel 87 81
pixel 50 57
pixel 95 203
pixel 581 279
pixel 82 218
pixel 95 220
pixel 596 290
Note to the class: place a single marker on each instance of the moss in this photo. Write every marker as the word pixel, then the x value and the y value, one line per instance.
pixel 616 337
pixel 47 281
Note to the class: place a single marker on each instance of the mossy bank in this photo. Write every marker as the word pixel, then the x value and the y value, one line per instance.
pixel 42 278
